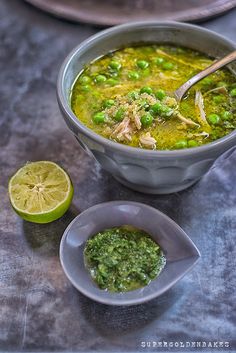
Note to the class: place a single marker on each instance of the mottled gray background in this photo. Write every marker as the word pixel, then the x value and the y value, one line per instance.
pixel 39 309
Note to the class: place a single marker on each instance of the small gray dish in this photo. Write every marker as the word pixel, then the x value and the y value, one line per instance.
pixel 180 252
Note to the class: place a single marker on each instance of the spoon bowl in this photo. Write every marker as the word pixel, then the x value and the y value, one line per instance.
pixel 218 64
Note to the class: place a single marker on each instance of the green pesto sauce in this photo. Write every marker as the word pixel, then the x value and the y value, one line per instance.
pixel 125 72
pixel 123 259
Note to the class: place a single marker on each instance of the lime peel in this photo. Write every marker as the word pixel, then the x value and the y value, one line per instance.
pixel 40 192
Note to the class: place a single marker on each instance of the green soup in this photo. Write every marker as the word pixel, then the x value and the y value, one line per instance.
pixel 123 259
pixel 127 96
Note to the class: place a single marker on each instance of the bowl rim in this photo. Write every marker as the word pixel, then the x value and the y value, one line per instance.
pixel 88 43
pixel 126 302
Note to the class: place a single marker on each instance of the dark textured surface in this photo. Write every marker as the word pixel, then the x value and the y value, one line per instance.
pixel 39 309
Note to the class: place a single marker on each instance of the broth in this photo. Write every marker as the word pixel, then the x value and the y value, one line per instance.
pixel 126 96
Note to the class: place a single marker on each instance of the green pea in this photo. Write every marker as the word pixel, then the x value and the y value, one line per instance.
pixel 226 115
pixel 142 64
pixel 166 111
pixel 115 65
pixel 167 66
pixel 119 115
pixel 85 79
pixel 86 88
pixel 133 75
pixel 159 61
pixel 218 99
pixel 114 74
pixel 112 82
pixel 192 143
pixel 100 78
pixel 181 144
pixel 146 119
pixel 233 92
pixel 99 118
pixel 160 94
pixel 213 118
pixel 146 89
pixel 133 95
pixel 156 108
pixel 108 103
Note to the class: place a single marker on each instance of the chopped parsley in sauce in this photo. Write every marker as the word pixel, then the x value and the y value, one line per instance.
pixel 123 259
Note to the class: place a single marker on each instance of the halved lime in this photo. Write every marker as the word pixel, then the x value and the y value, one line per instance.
pixel 40 192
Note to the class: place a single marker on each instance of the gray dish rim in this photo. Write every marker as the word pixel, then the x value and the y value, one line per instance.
pixel 126 302
pixel 115 145
pixel 191 16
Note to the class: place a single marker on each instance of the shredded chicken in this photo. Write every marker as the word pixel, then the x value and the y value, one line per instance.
pixel 164 77
pixel 127 137
pixel 107 130
pixel 132 112
pixel 122 130
pixel 147 140
pixel 185 120
pixel 161 52
pixel 137 122
pixel 221 89
pixel 204 134
pixel 150 99
pixel 199 102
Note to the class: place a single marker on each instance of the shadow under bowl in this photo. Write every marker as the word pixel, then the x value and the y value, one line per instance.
pixel 180 252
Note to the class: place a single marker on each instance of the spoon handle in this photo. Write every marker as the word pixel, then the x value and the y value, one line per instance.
pixel 180 92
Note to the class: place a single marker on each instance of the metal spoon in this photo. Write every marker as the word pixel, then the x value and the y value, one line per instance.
pixel 180 92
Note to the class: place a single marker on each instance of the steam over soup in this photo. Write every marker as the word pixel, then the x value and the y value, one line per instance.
pixel 127 96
